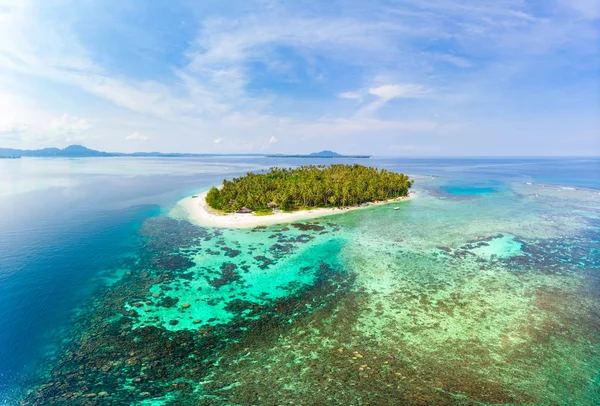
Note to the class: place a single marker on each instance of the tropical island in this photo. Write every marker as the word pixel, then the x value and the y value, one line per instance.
pixel 284 194
pixel 321 154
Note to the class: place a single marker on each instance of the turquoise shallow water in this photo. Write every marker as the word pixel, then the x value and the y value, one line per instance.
pixel 483 289
pixel 467 190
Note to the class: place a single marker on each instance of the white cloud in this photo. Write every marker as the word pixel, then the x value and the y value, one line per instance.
pixel 273 140
pixel 136 136
pixel 392 91
pixel 350 95
pixel 363 125
pixel 522 15
pixel 67 124
pixel 13 128
pixel 386 93
pixel 454 60
pixel 18 116
pixel 12 6
pixel 375 46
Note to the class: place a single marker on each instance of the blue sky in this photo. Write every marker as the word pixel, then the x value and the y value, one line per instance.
pixel 404 77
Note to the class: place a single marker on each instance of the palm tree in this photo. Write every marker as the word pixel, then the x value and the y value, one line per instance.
pixel 321 185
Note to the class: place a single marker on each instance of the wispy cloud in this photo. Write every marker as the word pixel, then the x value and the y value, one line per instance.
pixel 137 137
pixel 257 74
pixel 392 91
pixel 67 124
pixel 364 125
pixel 385 93
pixel 351 95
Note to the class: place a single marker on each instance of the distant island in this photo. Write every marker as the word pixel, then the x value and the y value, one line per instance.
pixel 322 154
pixel 79 151
pixel 70 151
pixel 308 187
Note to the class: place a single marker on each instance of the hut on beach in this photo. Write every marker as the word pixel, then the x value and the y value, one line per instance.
pixel 244 210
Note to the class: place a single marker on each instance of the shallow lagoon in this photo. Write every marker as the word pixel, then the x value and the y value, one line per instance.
pixel 488 299
pixel 460 189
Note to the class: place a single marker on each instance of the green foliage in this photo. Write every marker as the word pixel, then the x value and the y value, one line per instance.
pixel 263 212
pixel 309 186
pixel 213 198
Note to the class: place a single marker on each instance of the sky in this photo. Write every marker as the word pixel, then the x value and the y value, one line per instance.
pixel 381 77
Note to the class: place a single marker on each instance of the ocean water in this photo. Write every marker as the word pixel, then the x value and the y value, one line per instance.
pixel 483 289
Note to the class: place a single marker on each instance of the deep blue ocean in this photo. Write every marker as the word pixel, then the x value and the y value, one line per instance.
pixel 62 221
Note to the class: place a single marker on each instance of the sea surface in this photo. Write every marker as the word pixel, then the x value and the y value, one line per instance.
pixel 482 289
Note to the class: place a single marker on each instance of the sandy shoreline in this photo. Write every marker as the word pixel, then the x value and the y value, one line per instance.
pixel 197 211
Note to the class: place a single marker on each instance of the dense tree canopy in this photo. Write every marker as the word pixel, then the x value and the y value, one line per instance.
pixel 309 186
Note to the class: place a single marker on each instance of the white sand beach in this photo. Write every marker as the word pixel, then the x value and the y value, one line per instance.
pixel 197 211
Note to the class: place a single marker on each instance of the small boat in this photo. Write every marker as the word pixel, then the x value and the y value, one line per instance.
pixel 396 208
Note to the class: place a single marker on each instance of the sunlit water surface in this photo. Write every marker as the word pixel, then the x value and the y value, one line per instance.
pixel 483 289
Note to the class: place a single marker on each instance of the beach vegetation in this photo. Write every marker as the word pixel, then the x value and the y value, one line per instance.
pixel 263 212
pixel 310 186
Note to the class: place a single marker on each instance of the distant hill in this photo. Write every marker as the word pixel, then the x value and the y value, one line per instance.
pixel 322 154
pixel 79 151
pixel 70 151
pixel 325 153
